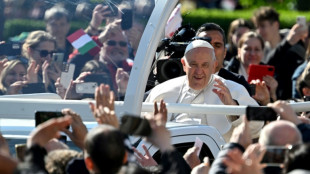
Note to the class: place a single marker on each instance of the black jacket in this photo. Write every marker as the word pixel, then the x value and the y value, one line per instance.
pixel 286 58
pixel 228 75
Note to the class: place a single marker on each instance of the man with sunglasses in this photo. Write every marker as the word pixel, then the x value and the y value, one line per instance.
pixel 113 54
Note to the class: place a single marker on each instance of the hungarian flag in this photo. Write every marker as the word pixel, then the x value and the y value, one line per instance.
pixel 83 43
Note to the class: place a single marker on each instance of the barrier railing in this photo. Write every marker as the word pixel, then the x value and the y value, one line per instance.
pixel 24 108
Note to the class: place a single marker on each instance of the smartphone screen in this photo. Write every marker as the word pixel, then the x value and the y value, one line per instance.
pixel 134 125
pixel 253 89
pixel 126 22
pixel 33 88
pixel 99 79
pixel 301 20
pixel 42 116
pixel 274 155
pixel 67 74
pixel 261 113
pixel 86 88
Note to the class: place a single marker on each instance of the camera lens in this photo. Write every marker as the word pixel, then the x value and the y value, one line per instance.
pixel 171 69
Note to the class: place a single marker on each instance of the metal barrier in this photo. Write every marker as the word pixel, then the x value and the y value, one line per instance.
pixel 24 108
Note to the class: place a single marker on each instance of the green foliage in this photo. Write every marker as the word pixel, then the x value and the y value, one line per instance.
pixel 277 4
pixel 224 18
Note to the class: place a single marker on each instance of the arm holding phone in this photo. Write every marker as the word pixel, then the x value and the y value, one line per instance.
pixel 79 130
pixel 286 112
pixel 298 32
pixel 261 94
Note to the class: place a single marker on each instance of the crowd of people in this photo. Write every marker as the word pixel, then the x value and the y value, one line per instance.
pixel 216 73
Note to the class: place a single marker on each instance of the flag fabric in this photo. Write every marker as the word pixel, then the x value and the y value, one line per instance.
pixel 83 43
pixel 174 22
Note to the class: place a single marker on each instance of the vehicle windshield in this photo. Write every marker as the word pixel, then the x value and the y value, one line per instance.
pixel 47 44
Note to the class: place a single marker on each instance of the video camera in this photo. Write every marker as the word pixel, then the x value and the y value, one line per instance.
pixel 174 48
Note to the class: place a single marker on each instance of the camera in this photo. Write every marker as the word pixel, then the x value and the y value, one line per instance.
pixel 134 125
pixel 10 49
pixel 174 48
pixel 261 113
pixel 275 155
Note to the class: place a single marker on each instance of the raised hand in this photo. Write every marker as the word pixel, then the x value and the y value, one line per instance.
pixel 47 131
pixel 15 88
pixel 32 72
pixel 99 14
pixel 223 93
pixel 60 90
pixel 3 64
pixel 249 162
pixel 162 109
pixel 79 130
pixel 191 157
pixel 286 112
pixel 272 83
pixel 261 92
pixel 202 168
pixel 241 134
pixel 103 110
pixel 144 160
pixel 121 78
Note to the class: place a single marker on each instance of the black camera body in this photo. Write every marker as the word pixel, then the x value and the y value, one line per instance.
pixel 173 48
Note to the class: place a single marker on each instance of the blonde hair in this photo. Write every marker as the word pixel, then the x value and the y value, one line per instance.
pixel 34 39
pixel 10 65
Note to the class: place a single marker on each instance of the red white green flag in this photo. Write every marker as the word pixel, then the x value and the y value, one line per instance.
pixel 83 43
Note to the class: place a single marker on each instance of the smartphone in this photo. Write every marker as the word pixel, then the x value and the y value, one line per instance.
pixel 261 113
pixel 86 88
pixel 126 22
pixel 301 20
pixel 259 71
pixel 33 88
pixel 134 125
pixel 252 89
pixel 99 79
pixel 20 150
pixel 66 76
pixel 274 155
pixel 10 49
pixel 63 139
pixel 306 98
pixel 43 116
pixel 58 58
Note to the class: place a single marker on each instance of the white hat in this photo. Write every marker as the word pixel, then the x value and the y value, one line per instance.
pixel 198 44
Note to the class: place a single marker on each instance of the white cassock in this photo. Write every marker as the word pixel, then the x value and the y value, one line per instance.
pixel 177 90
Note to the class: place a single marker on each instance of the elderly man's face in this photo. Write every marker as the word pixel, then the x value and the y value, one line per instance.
pixel 198 66
pixel 115 49
pixel 218 44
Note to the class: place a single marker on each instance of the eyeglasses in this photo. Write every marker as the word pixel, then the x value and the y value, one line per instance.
pixel 45 53
pixel 120 43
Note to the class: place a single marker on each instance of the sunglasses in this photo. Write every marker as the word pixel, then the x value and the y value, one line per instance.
pixel 45 53
pixel 120 43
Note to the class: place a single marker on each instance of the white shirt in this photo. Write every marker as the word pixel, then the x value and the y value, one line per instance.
pixel 177 90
